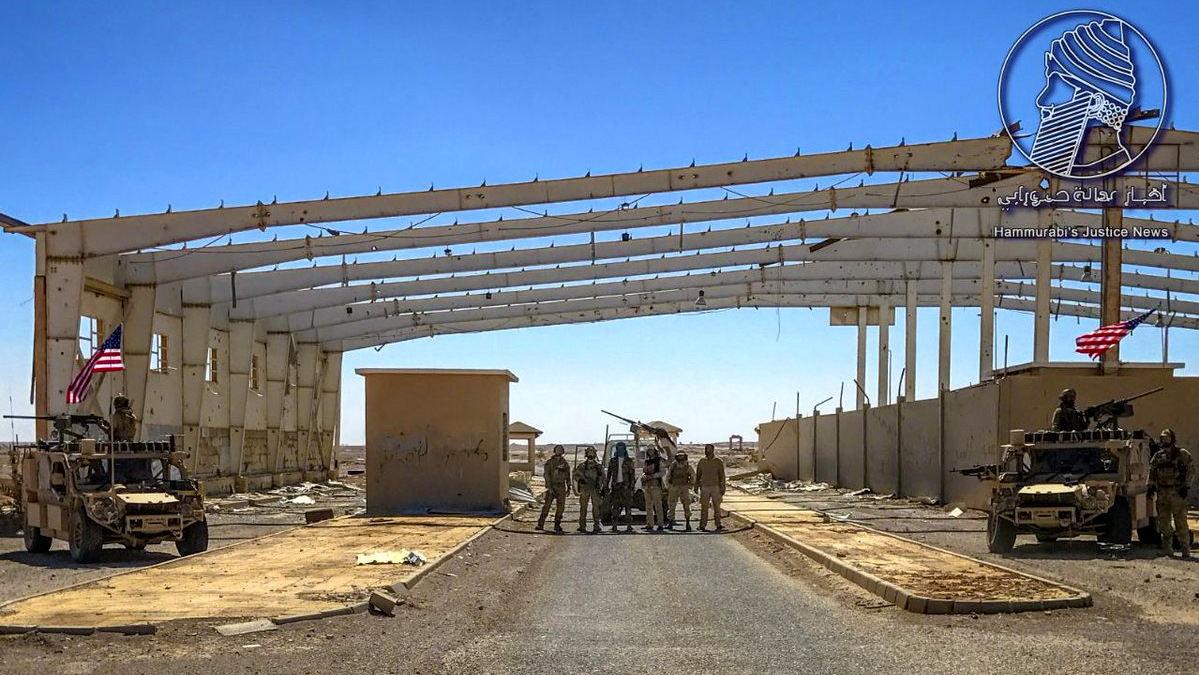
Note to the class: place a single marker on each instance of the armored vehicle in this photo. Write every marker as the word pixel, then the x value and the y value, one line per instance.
pixel 90 493
pixel 1066 484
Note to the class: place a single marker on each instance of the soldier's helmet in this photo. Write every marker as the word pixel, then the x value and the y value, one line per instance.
pixel 120 401
pixel 1168 432
pixel 589 453
pixel 1067 393
pixel 559 450
pixel 680 455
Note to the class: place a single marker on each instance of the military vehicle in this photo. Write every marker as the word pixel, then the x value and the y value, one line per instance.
pixel 637 452
pixel 92 492
pixel 1065 484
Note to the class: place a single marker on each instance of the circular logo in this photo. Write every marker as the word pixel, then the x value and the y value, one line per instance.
pixel 1083 78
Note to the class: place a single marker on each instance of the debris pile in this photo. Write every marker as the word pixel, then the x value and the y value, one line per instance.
pixel 403 556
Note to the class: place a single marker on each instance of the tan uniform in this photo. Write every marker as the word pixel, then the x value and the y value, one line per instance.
pixel 557 486
pixel 679 479
pixel 709 478
pixel 651 483
pixel 589 479
pixel 1170 475
pixel 124 425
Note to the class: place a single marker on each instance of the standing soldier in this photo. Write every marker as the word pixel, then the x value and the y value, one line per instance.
pixel 680 478
pixel 557 487
pixel 651 484
pixel 589 482
pixel 1169 477
pixel 1067 417
pixel 709 479
pixel 124 422
pixel 619 484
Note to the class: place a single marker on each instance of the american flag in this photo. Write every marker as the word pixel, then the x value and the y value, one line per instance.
pixel 1099 341
pixel 106 358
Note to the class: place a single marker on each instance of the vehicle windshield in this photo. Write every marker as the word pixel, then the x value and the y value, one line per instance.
pixel 131 471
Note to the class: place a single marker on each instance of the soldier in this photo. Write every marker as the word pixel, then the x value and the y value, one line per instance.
pixel 557 487
pixel 680 477
pixel 124 422
pixel 651 484
pixel 1067 417
pixel 709 480
pixel 589 483
pixel 1169 478
pixel 619 484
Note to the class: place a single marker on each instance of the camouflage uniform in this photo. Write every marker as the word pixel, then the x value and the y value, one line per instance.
pixel 124 422
pixel 557 487
pixel 1068 418
pixel 651 483
pixel 619 482
pixel 679 478
pixel 1170 475
pixel 589 482
pixel 709 478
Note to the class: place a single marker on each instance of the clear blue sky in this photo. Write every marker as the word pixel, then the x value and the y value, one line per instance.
pixel 143 104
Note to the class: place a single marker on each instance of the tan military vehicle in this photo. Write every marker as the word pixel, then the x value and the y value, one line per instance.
pixel 90 493
pixel 1057 485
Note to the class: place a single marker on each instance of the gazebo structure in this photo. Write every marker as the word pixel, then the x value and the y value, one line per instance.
pixel 519 431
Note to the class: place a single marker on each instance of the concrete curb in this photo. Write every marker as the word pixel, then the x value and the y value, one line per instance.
pixel 920 604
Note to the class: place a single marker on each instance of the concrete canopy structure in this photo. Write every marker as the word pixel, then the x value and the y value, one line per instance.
pixel 237 345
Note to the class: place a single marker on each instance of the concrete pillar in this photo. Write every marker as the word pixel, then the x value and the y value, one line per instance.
pixel 1109 298
pixel 195 340
pixel 986 317
pixel 241 351
pixel 330 414
pixel 884 349
pixel 861 374
pixel 138 334
pixel 57 299
pixel 277 351
pixel 310 364
pixel 946 334
pixel 909 342
pixel 1044 270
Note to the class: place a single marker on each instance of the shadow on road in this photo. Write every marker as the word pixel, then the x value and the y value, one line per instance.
pixel 110 557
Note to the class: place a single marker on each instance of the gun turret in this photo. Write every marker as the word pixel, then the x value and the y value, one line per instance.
pixel 64 424
pixel 981 471
pixel 1107 415
pixel 657 432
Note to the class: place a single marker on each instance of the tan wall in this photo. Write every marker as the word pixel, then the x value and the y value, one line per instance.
pixel 882 448
pixel 776 442
pixel 806 457
pixel 435 442
pixel 853 449
pixel 920 431
pixel 826 448
pixel 971 436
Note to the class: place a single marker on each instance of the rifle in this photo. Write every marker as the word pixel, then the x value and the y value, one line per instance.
pixel 64 423
pixel 981 471
pixel 1107 415
pixel 636 426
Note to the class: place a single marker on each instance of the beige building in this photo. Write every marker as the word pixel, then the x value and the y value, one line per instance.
pixel 436 440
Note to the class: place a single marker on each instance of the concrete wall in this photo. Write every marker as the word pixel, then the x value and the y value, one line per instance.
pixel 912 448
pixel 435 440
pixel 882 449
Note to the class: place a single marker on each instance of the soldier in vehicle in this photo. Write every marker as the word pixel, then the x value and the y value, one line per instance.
pixel 651 484
pixel 1169 477
pixel 619 483
pixel 124 422
pixel 710 480
pixel 589 483
pixel 557 487
pixel 1067 417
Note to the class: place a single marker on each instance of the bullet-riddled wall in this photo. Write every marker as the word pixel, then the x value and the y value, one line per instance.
pixel 912 448
pixel 436 440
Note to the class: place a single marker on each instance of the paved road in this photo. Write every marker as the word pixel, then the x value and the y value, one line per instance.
pixel 705 603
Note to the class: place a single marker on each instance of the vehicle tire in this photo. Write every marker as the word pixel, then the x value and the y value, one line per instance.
pixel 1149 535
pixel 194 539
pixel 1001 534
pixel 35 541
pixel 1119 524
pixel 87 538
pixel 1047 538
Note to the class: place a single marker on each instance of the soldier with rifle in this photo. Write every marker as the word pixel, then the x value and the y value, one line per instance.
pixel 1170 474
pixel 619 483
pixel 557 487
pixel 1067 417
pixel 589 484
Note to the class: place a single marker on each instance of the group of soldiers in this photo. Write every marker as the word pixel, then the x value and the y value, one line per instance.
pixel 1170 474
pixel 665 483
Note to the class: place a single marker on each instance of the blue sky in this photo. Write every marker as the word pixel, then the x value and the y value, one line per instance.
pixel 191 103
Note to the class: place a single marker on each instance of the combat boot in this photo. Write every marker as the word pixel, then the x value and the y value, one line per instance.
pixel 582 528
pixel 688 528
pixel 596 528
pixel 558 527
pixel 540 525
pixel 614 529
